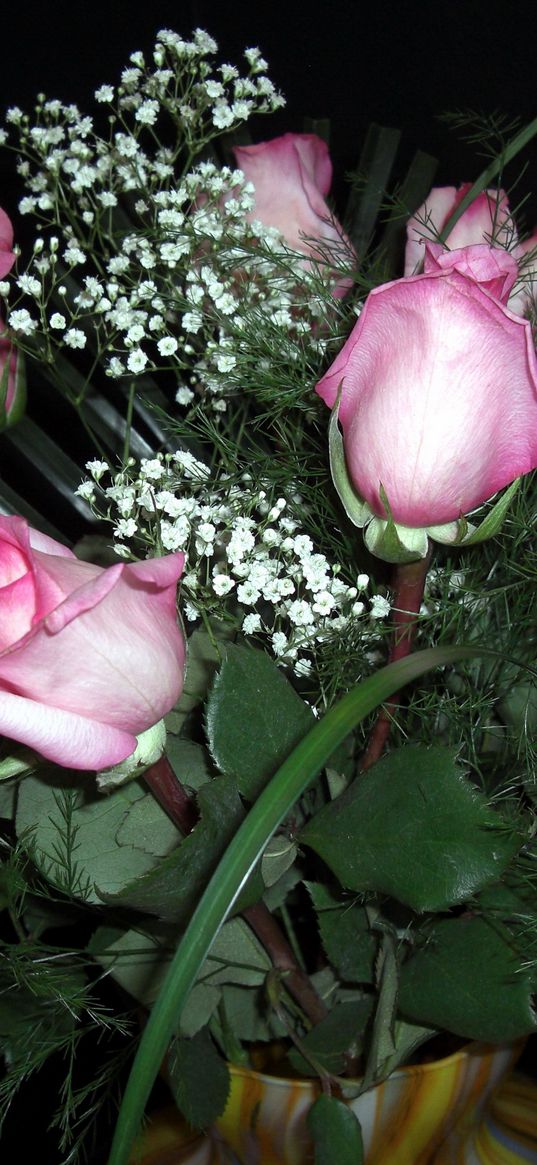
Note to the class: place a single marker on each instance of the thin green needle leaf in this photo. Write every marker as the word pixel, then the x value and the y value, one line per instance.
pixel 517 143
pixel 273 804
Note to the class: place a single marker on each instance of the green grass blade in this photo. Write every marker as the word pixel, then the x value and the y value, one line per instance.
pixel 517 143
pixel 274 803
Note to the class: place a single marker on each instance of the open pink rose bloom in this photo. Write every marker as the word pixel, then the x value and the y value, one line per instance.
pixel 292 176
pixel 89 657
pixel 439 388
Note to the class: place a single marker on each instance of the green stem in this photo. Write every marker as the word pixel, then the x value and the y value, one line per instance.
pixel 409 582
pixel 244 850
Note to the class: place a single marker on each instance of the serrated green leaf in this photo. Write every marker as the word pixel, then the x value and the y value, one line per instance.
pixel 342 1029
pixel 203 657
pixel 467 979
pixel 171 888
pixel 414 828
pixel 345 934
pixel 336 1132
pixel 254 718
pixel 86 857
pixel 199 1079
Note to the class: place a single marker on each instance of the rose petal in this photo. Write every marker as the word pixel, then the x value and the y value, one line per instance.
pixel 67 738
pixel 439 400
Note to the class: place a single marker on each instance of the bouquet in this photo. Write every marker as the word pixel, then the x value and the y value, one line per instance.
pixel 295 812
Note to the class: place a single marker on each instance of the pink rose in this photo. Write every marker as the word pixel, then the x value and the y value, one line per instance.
pixel 89 657
pixel 292 176
pixel 488 220
pixel 439 389
pixel 12 383
pixel 7 258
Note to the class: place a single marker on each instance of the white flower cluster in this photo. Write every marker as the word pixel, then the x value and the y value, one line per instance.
pixel 174 280
pixel 245 554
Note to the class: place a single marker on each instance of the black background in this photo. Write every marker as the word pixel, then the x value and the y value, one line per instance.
pixel 400 64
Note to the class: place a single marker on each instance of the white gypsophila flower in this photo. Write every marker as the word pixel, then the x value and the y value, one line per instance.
pixel 167 346
pixel 147 112
pixel 21 321
pixel 57 321
pixel 134 334
pixel 279 643
pixel 5 287
pixel 115 368
pixel 222 584
pixel 29 285
pixel 125 528
pixel 225 362
pixel 73 255
pixel 151 468
pixel 222 115
pixel 192 321
pixel 184 395
pixel 75 338
pixel 324 603
pixel 362 582
pixel 136 360
pixel 97 468
pixel 380 607
pixel 104 94
pixel 303 667
pixel 248 594
pixel 301 613
pixel 251 624
pixel 358 608
pixel 86 490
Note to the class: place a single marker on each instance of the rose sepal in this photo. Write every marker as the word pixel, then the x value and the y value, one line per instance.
pixel 494 519
pixel 357 510
pixel 12 397
pixel 149 749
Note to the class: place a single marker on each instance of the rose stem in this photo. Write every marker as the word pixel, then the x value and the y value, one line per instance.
pixel 408 585
pixel 180 808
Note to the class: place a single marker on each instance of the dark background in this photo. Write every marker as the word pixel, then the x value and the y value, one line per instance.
pixel 399 64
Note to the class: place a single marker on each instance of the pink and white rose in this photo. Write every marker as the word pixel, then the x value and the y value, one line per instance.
pixel 292 176
pixel 89 657
pixel 7 255
pixel 488 220
pixel 438 389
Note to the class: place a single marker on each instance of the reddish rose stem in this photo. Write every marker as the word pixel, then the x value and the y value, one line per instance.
pixel 409 582
pixel 180 808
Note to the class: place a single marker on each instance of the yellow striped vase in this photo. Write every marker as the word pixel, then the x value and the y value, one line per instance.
pixel 456 1111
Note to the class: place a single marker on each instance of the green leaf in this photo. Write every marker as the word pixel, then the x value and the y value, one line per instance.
pixel 75 834
pixel 190 762
pixel 236 956
pixel 242 854
pixel 254 718
pixel 336 1132
pixel 414 828
pixel 137 961
pixel 199 1079
pixel 374 167
pixel 248 1015
pixel 171 888
pixel 203 657
pixel 345 934
pixel 467 979
pixel 277 858
pixel 340 1031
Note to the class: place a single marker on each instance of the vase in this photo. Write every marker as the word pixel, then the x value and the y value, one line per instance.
pixel 423 1114
pixel 455 1111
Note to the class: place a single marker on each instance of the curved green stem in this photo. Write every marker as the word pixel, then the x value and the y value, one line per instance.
pixel 271 807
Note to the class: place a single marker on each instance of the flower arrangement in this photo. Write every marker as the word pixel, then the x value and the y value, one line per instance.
pixel 280 824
